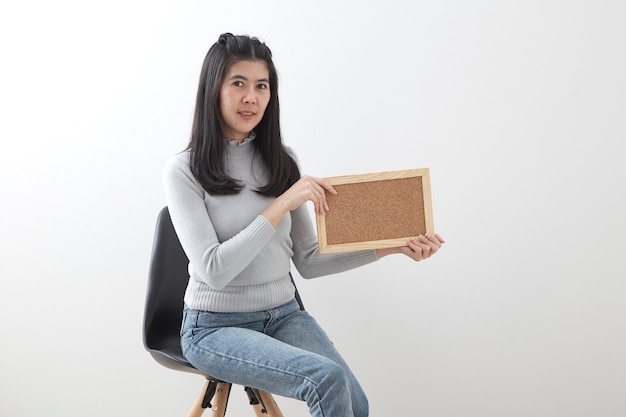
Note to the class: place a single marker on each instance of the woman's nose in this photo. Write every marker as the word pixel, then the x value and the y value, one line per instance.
pixel 250 96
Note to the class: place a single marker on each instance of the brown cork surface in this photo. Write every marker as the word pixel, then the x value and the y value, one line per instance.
pixel 375 210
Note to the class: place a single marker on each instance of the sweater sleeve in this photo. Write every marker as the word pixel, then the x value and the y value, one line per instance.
pixel 307 259
pixel 213 262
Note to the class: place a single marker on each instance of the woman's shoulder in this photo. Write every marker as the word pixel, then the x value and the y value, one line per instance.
pixel 179 160
pixel 178 165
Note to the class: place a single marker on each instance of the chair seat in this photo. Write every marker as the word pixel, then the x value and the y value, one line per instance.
pixel 172 357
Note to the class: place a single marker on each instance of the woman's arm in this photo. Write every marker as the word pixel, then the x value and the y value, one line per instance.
pixel 215 263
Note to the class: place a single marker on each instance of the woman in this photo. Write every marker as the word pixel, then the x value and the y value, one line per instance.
pixel 236 199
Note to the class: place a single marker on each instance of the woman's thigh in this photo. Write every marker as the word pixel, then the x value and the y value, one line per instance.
pixel 283 351
pixel 302 331
pixel 246 355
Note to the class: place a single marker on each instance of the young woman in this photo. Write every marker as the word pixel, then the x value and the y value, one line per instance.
pixel 236 198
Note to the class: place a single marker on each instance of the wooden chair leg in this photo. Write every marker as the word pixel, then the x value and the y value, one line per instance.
pixel 270 405
pixel 263 403
pixel 219 401
pixel 196 409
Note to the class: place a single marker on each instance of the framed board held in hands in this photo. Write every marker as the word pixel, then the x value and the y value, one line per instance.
pixel 377 210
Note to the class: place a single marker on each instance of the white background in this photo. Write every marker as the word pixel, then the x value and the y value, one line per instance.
pixel 517 107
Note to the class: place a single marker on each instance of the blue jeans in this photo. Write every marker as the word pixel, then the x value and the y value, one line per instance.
pixel 283 351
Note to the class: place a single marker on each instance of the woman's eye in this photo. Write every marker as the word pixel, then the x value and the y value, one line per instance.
pixel 262 86
pixel 238 83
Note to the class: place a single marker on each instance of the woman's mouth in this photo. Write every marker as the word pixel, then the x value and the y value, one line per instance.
pixel 247 115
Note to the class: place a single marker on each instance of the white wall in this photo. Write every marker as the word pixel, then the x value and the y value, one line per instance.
pixel 518 108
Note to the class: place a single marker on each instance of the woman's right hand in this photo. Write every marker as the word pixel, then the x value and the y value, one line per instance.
pixel 308 189
pixel 305 189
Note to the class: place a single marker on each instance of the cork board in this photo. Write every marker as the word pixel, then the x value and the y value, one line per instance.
pixel 377 210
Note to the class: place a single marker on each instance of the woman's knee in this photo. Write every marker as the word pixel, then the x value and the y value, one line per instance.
pixel 322 379
pixel 331 388
pixel 342 379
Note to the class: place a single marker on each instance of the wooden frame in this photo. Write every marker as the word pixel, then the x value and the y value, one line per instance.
pixel 376 210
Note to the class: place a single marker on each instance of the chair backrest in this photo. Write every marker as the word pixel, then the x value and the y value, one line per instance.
pixel 167 281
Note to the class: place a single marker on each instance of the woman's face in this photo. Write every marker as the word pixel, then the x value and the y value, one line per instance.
pixel 244 96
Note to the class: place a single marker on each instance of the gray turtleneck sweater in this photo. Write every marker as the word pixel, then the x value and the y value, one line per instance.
pixel 237 261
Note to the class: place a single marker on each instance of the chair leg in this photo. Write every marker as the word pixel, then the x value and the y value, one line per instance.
pixel 270 405
pixel 196 409
pixel 218 393
pixel 220 399
pixel 263 403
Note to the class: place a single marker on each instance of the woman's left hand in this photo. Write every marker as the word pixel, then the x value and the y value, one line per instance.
pixel 423 247
pixel 418 248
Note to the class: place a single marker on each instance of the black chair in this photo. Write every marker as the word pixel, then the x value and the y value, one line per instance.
pixel 162 320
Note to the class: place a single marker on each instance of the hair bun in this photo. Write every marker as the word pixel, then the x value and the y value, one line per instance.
pixel 224 37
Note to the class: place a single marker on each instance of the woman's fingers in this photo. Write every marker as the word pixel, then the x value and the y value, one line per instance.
pixel 326 185
pixel 424 246
pixel 305 189
pixel 319 199
pixel 316 188
pixel 419 249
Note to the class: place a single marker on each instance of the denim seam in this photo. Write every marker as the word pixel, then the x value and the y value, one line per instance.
pixel 235 359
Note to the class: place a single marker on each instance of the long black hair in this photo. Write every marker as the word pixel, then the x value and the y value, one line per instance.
pixel 208 145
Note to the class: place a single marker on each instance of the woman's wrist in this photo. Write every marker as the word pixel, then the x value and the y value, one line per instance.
pixel 275 212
